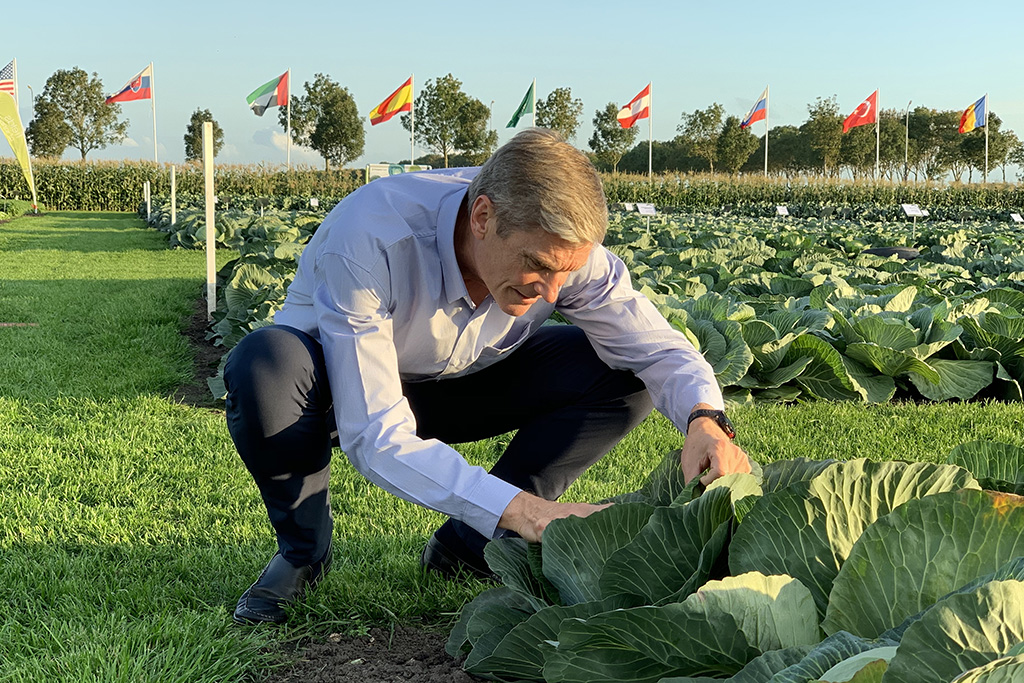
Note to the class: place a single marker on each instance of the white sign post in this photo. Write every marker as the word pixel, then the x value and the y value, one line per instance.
pixel 145 193
pixel 1016 218
pixel 211 234
pixel 174 204
pixel 647 210
pixel 781 210
pixel 913 211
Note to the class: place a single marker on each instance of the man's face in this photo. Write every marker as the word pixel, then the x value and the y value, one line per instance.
pixel 525 266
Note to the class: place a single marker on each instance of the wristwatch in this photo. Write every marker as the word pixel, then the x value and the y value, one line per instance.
pixel 718 416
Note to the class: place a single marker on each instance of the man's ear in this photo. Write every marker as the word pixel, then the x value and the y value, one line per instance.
pixel 480 215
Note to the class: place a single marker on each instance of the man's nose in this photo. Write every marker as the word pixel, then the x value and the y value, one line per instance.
pixel 547 287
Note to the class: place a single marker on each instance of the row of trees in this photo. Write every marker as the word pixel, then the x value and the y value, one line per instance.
pixel 458 130
pixel 922 143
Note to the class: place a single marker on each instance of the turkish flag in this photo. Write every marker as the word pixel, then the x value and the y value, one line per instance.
pixel 866 113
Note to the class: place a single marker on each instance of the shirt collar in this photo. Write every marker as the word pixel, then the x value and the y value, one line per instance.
pixel 454 285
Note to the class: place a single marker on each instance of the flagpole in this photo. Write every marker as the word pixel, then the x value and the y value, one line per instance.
pixel 152 103
pixel 16 100
pixel 650 133
pixel 766 110
pixel 412 127
pixel 533 106
pixel 288 122
pixel 878 130
pixel 985 178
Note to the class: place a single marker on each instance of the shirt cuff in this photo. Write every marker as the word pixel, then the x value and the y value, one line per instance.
pixel 486 503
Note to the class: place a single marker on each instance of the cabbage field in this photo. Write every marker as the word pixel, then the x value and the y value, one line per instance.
pixel 802 571
pixel 784 309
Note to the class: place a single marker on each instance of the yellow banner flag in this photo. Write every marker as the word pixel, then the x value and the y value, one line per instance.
pixel 10 124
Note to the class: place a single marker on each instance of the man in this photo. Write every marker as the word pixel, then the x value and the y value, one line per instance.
pixel 416 320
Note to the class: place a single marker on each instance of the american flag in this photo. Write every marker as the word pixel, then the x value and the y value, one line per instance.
pixel 7 79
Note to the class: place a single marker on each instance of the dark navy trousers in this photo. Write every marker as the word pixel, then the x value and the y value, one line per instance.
pixel 567 407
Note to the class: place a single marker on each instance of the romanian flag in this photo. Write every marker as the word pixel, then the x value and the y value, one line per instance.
pixel 138 88
pixel 398 101
pixel 638 108
pixel 759 112
pixel 271 94
pixel 975 116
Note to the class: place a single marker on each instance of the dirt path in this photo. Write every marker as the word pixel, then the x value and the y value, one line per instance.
pixel 406 654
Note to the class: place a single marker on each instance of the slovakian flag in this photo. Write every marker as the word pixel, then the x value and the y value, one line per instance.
pixel 759 112
pixel 975 116
pixel 865 113
pixel 398 101
pixel 638 108
pixel 139 88
pixel 271 94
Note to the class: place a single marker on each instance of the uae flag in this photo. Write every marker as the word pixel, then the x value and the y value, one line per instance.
pixel 865 113
pixel 638 108
pixel 271 94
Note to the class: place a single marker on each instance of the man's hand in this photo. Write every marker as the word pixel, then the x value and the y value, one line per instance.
pixel 528 515
pixel 708 448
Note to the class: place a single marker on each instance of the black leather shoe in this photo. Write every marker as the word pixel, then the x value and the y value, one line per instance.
pixel 280 584
pixel 443 558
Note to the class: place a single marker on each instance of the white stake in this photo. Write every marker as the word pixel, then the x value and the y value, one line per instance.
pixel 211 235
pixel 174 202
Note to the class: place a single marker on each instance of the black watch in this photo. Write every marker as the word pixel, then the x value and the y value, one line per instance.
pixel 718 416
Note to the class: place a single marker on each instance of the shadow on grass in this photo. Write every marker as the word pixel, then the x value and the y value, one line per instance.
pixel 99 338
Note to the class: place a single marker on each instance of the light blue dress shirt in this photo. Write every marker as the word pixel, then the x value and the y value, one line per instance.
pixel 380 288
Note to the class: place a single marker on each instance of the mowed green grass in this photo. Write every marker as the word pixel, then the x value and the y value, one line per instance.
pixel 128 526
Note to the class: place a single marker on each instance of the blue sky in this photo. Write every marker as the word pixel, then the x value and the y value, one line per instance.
pixel 210 55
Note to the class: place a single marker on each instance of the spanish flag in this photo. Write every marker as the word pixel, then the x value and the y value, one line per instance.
pixel 398 101
pixel 975 116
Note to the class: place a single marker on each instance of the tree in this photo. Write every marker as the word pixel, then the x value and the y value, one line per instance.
pixel 824 131
pixel 610 140
pixel 699 132
pixel 48 134
pixel 560 112
pixel 72 112
pixel 194 135
pixel 327 121
pixel 449 121
pixel 735 145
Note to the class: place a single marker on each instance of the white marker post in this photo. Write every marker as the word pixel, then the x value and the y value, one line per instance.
pixel 145 192
pixel 211 235
pixel 174 201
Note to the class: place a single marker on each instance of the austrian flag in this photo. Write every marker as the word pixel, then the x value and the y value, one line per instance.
pixel 864 114
pixel 638 108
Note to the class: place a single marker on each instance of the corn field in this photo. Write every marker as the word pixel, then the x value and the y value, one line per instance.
pixel 117 186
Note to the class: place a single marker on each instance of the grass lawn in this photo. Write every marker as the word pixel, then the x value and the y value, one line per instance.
pixel 129 526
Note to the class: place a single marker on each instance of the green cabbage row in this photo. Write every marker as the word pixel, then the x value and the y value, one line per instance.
pixel 802 571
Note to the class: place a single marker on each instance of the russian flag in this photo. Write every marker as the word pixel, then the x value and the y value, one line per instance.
pixel 759 112
pixel 138 88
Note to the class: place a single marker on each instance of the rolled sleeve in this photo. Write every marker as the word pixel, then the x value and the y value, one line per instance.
pixel 628 333
pixel 376 426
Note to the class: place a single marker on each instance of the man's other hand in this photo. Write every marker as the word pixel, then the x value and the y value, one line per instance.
pixel 528 515
pixel 708 448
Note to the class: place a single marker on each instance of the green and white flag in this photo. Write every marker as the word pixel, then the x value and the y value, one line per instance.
pixel 271 94
pixel 525 107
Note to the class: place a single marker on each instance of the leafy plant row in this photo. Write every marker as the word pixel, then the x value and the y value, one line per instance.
pixel 783 310
pixel 794 310
pixel 803 571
